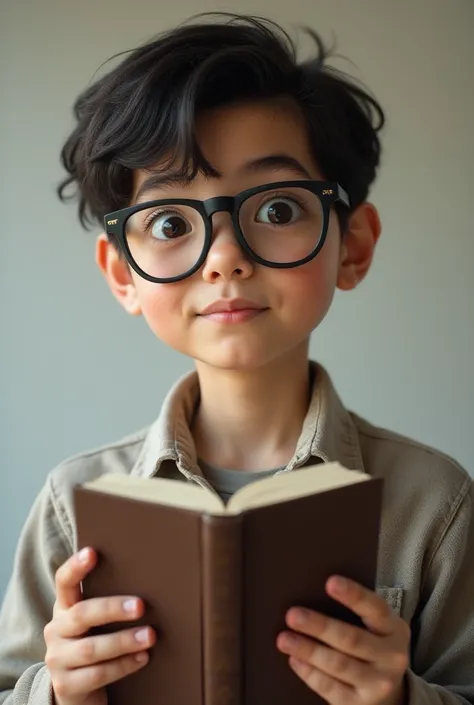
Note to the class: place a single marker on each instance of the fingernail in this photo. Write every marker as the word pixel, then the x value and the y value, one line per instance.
pixel 340 585
pixel 83 555
pixel 298 617
pixel 288 641
pixel 130 605
pixel 141 657
pixel 142 635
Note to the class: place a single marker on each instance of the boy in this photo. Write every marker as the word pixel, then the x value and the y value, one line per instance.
pixel 233 185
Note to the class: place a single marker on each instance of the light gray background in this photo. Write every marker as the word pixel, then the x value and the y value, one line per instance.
pixel 76 372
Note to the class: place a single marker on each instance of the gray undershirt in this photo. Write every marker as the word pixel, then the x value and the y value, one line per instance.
pixel 227 482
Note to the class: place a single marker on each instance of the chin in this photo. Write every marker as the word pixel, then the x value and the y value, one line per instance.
pixel 235 358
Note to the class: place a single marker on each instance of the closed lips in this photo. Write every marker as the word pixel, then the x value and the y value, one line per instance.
pixel 228 306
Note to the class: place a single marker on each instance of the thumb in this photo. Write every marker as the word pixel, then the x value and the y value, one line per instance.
pixel 70 575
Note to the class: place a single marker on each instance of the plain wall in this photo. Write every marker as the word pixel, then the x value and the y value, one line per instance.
pixel 76 372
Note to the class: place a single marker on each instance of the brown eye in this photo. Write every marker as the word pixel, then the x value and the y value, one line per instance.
pixel 279 211
pixel 169 226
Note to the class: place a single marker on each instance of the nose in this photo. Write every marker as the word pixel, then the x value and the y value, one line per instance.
pixel 225 260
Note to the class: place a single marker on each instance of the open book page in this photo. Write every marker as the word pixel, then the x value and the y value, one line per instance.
pixel 270 490
pixel 159 490
pixel 292 485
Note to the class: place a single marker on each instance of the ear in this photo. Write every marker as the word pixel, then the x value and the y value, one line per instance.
pixel 117 273
pixel 358 245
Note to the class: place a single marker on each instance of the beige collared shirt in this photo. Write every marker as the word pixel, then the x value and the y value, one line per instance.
pixel 426 555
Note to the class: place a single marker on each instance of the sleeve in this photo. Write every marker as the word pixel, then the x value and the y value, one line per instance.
pixel 442 659
pixel 28 603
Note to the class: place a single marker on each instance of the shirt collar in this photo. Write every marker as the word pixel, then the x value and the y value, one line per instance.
pixel 328 432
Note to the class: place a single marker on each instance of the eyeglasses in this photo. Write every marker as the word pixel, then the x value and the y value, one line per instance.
pixel 281 225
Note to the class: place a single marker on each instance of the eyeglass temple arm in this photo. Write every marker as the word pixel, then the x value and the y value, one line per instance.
pixel 343 196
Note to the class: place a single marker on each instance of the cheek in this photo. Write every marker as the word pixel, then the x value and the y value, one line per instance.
pixel 162 308
pixel 309 290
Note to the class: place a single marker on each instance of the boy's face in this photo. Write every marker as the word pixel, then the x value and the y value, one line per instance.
pixel 292 301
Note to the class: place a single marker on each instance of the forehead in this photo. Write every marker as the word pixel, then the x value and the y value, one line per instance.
pixel 232 134
pixel 234 137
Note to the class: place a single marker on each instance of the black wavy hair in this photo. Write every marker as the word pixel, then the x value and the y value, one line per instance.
pixel 143 111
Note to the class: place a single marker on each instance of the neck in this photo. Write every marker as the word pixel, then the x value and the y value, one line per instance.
pixel 259 425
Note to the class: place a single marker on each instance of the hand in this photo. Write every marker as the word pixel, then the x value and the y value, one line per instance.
pixel 345 664
pixel 80 665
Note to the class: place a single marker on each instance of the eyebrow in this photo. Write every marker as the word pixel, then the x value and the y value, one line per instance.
pixel 277 162
pixel 161 180
pixel 271 162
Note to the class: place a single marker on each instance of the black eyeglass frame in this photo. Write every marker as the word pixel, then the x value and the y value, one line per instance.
pixel 329 192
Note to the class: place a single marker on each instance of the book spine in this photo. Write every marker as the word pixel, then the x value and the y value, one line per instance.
pixel 222 619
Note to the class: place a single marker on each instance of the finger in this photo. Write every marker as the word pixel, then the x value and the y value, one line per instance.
pixel 89 679
pixel 344 637
pixel 98 611
pixel 69 576
pixel 333 663
pixel 108 647
pixel 329 688
pixel 369 605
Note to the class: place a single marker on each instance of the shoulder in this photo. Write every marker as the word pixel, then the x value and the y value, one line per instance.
pixel 428 499
pixel 114 457
pixel 387 452
pixel 118 457
pixel 422 484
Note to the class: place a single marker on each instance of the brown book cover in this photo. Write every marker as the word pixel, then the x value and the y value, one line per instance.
pixel 217 581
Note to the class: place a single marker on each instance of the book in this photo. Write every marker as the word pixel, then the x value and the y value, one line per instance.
pixel 217 580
